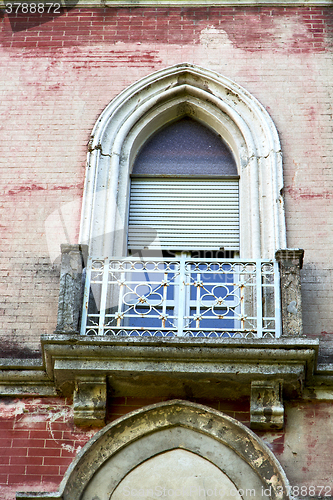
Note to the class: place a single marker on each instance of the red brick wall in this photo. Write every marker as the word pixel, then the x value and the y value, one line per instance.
pixel 251 28
pixel 38 440
pixel 304 447
pixel 61 73
pixel 239 409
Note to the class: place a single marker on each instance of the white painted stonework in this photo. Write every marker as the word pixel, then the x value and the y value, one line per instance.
pixel 176 473
pixel 156 100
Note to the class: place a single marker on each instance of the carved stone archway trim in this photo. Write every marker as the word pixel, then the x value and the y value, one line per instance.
pixel 162 97
pixel 112 447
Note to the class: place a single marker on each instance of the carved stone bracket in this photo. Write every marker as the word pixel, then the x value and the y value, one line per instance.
pixel 90 401
pixel 71 287
pixel 267 410
pixel 290 261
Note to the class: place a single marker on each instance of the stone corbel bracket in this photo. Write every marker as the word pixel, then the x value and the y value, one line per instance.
pixel 267 410
pixel 90 401
pixel 290 261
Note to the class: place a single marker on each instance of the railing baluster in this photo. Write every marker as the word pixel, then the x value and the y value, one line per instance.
pixel 277 299
pixel 165 291
pixel 259 298
pixel 120 298
pixel 103 296
pixel 84 319
pixel 242 299
pixel 182 297
pixel 198 297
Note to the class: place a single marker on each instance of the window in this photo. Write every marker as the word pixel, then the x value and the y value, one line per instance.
pixel 162 98
pixel 184 198
pixel 184 192
pixel 130 207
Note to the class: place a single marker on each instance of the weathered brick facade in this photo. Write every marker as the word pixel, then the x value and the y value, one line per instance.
pixel 59 73
pixel 85 57
pixel 39 441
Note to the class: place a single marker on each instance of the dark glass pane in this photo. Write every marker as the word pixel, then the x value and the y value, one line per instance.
pixel 185 148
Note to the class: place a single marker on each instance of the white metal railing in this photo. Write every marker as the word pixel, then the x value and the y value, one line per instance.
pixel 182 297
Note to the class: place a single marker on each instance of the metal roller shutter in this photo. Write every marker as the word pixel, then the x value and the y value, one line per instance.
pixel 183 214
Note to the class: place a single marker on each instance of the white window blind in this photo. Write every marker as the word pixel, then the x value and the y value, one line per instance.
pixel 183 214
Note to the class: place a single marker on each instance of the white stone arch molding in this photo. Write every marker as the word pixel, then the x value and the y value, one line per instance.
pixel 162 97
pixel 219 444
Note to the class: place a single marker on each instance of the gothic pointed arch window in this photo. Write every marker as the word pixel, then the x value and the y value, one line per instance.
pixel 160 99
pixel 184 160
pixel 184 192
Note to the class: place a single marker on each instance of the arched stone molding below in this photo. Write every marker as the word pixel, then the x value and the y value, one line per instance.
pixel 156 100
pixel 161 434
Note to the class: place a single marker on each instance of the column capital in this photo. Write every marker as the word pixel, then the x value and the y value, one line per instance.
pixel 294 255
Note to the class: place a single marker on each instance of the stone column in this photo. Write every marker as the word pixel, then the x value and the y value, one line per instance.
pixel 73 258
pixel 290 262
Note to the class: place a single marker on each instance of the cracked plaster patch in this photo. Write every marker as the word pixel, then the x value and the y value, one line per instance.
pixel 12 410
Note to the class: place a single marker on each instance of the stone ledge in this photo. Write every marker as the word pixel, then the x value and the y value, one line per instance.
pixel 189 3
pixel 38 495
pixel 325 368
pixel 25 377
pixel 222 3
pixel 19 389
pixel 95 369
pixel 172 367
pixel 27 364
pixel 224 365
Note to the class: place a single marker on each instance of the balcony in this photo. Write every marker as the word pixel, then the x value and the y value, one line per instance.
pixel 180 328
pixel 183 297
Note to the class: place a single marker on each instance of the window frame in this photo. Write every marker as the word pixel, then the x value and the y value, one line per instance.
pixel 156 100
